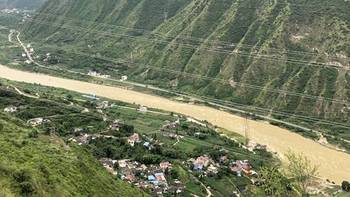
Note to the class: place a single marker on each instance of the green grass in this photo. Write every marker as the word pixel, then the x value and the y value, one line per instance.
pixel 46 166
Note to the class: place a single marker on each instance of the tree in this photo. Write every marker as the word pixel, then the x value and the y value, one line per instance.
pixel 33 134
pixel 69 97
pixel 345 185
pixel 301 171
pixel 174 173
pixel 273 182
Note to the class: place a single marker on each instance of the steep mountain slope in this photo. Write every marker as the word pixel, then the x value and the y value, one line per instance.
pixel 289 56
pixel 38 165
pixel 22 4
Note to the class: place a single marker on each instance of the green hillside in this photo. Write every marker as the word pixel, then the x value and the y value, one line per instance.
pixel 32 165
pixel 284 56
pixel 22 4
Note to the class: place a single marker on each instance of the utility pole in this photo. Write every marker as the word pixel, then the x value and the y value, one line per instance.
pixel 246 130
pixel 166 11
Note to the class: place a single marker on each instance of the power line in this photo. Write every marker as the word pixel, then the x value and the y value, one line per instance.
pixel 185 38
pixel 223 81
pixel 256 109
pixel 283 113
pixel 266 57
pixel 323 121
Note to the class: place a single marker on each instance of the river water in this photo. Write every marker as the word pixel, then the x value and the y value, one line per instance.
pixel 333 165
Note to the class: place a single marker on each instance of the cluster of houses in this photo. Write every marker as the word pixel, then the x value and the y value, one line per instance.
pixel 47 57
pixel 10 109
pixel 240 167
pixel 103 105
pixel 97 74
pixel 207 166
pixel 135 138
pixel 152 177
pixel 11 11
pixel 85 138
pixel 33 122
pixel 38 121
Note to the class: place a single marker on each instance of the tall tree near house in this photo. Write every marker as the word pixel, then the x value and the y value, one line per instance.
pixel 301 171
pixel 273 182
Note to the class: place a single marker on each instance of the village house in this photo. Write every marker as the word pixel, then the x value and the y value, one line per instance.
pixel 223 159
pixel 103 105
pixel 83 139
pixel 212 169
pixel 124 78
pixel 109 165
pixel 135 138
pixel 200 163
pixel 165 165
pixel 123 163
pixel 130 178
pixel 141 168
pixel 160 177
pixel 142 109
pixel 78 130
pixel 37 121
pixel 128 175
pixel 242 166
pixel 148 145
pixel 10 109
pixel 115 126
pixel 170 125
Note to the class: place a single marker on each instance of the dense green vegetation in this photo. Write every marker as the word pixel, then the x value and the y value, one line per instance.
pixel 66 118
pixel 263 52
pixel 43 165
pixel 21 4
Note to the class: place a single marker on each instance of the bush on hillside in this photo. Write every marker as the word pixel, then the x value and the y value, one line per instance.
pixel 345 185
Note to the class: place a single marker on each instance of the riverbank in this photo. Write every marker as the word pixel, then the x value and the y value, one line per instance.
pixel 333 164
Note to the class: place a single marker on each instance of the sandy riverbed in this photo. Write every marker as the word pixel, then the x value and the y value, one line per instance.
pixel 332 164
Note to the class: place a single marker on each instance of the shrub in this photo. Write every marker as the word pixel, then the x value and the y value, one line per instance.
pixel 33 134
pixel 345 185
pixel 25 181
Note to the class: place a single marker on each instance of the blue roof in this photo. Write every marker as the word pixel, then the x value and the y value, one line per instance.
pixel 151 178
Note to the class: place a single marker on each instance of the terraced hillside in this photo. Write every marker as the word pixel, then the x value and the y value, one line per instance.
pixel 284 56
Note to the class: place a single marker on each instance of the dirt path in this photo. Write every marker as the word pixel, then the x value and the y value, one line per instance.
pixel 333 164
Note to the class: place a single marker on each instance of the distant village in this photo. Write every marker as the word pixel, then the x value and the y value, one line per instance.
pixel 155 178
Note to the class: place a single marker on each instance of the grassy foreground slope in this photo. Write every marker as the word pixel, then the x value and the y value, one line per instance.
pixel 38 165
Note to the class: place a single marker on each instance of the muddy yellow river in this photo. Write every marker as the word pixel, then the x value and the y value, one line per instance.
pixel 333 165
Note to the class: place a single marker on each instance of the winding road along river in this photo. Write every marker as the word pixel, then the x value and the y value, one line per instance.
pixel 333 165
